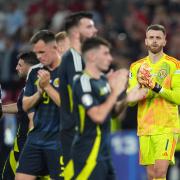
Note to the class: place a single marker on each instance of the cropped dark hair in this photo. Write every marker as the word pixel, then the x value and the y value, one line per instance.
pixel 44 35
pixel 94 42
pixel 74 19
pixel 28 57
pixel 157 27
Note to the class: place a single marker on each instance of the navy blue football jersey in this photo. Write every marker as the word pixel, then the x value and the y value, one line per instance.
pixel 91 139
pixel 72 65
pixel 45 133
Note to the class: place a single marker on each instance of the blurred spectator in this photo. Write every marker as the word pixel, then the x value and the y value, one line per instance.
pixel 15 18
pixel 8 62
pixel 89 5
pixel 2 42
pixel 2 17
pixel 174 44
pixel 161 17
pixel 38 20
pixel 59 16
pixel 75 5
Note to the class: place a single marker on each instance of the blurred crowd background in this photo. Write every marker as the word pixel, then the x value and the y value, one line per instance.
pixel 122 22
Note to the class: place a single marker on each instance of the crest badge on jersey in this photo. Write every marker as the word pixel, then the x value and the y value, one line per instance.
pixel 56 82
pixel 162 73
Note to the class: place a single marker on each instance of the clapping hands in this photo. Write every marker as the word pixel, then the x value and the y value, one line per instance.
pixel 44 78
pixel 118 80
pixel 144 76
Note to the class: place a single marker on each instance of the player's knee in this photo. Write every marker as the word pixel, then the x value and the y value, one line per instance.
pixel 150 173
pixel 160 173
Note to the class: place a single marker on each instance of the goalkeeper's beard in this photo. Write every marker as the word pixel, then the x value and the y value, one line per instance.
pixel 155 50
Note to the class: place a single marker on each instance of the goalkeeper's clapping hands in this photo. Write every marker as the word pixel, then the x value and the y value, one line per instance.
pixel 144 77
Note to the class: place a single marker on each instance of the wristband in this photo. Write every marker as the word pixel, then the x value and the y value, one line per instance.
pixel 157 88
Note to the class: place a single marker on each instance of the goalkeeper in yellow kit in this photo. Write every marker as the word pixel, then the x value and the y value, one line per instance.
pixel 158 119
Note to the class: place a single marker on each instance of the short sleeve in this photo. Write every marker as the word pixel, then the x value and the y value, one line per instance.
pixel 83 93
pixel 31 84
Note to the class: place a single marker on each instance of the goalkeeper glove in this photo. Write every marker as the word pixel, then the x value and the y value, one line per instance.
pixel 145 79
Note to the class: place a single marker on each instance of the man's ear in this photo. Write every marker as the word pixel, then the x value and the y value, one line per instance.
pixel 92 55
pixel 164 43
pixel 55 47
pixel 75 32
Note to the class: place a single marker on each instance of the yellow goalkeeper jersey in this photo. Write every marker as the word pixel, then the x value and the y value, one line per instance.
pixel 158 112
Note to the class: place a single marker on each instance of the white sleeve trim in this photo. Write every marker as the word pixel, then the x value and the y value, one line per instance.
pixel 85 83
pixel 77 61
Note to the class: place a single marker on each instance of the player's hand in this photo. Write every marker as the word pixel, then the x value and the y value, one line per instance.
pixel 39 89
pixel 136 94
pixel 144 76
pixel 118 81
pixel 44 78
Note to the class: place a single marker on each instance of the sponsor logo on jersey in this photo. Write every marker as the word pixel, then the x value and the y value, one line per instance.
pixel 165 154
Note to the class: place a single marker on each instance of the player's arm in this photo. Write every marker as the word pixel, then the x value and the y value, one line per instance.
pixel 30 101
pixel 53 94
pixel 173 94
pixel 98 113
pixel 30 116
pixel 32 92
pixel 132 83
pixel 85 97
pixel 10 108
pixel 117 81
pixel 134 95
